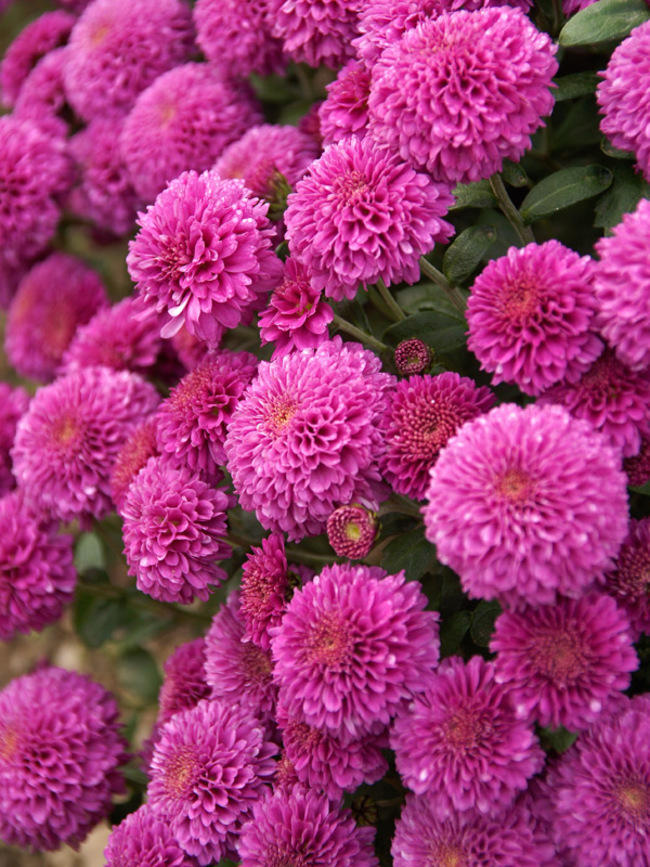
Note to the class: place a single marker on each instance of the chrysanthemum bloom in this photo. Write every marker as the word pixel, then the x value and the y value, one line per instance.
pixel 527 503
pixel 351 531
pixel 69 437
pixel 315 34
pixel 266 587
pixel 46 33
pixel 459 94
pixel 304 438
pixel 192 421
pixel 184 683
pixel 412 356
pixel 155 35
pixel 302 827
pixel 613 398
pixel 423 413
pixel 37 574
pixel 203 255
pixel 624 98
pixel 638 467
pixel 461 744
pixel 629 581
pixel 622 285
pixel 309 124
pixel 183 121
pixel 60 750
pixel 104 194
pixel 361 214
pixel 210 765
pixel 13 404
pixel 42 98
pixel 562 662
pixel 509 840
pixel 353 643
pixel 237 36
pixel 174 532
pixel 531 317
pixel 345 111
pixel 140 445
pixel 144 839
pixel 296 317
pixel 238 671
pixel 601 792
pixel 53 300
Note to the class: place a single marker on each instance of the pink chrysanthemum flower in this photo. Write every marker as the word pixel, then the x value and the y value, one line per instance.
pixel 531 317
pixel 42 98
pixel 345 111
pixel 155 35
pixel 237 36
pixel 459 94
pixel 174 532
pixel 301 827
pixel 266 587
pixel 46 33
pixel 37 574
pixel 629 581
pixel 561 663
pixel 183 121
pixel 461 744
pixel 412 356
pixel 304 438
pixel 315 34
pixel 144 839
pixel 352 645
pixel 509 840
pixel 621 284
pixel 361 214
pixel 423 413
pixel 13 405
pixel 297 317
pixel 600 790
pixel 613 398
pixel 69 437
pixel 192 421
pixel 637 468
pixel 209 767
pixel 527 503
pixel 140 445
pixel 624 97
pixel 203 255
pixel 104 193
pixel 184 684
pixel 53 300
pixel 59 758
pixel 351 531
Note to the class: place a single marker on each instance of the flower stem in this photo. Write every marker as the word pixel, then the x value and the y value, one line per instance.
pixel 524 232
pixel 393 307
pixel 440 280
pixel 363 336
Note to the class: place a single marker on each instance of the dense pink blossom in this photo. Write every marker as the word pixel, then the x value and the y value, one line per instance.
pixel 138 447
pixel 266 587
pixel 42 97
pixel 61 750
pixel 304 439
pixel 629 581
pixel 318 33
pixel 531 317
pixel 412 356
pixel 527 503
pixel 361 214
pixel 345 111
pixel 638 467
pixel 13 404
pixel 351 531
pixel 144 839
pixel 203 255
pixel 462 92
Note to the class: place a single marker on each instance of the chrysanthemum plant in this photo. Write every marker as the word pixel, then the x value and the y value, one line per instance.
pixel 334 468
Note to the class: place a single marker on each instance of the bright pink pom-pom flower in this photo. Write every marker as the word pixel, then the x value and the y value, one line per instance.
pixel 184 684
pixel 42 97
pixel 139 446
pixel 315 33
pixel 144 839
pixel 345 111
pixel 266 587
pixel 13 404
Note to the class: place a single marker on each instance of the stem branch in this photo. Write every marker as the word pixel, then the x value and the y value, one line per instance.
pixel 363 336
pixel 524 232
pixel 393 307
pixel 440 280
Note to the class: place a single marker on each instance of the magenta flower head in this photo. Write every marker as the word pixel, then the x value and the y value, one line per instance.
pixel 70 436
pixel 42 97
pixel 144 839
pixel 208 768
pixel 266 587
pixel 353 644
pixel 460 93
pixel 183 121
pixel 563 662
pixel 59 759
pixel 525 504
pixel 192 421
pixel 345 111
pixel 53 300
pixel 638 467
pixel 13 404
pixel 203 255
pixel 297 317
pixel 157 34
pixel 304 440
pixel 174 532
pixel 351 531
pixel 315 35
pixel 461 744
pixel 622 281
pixel 301 827
pixel 629 581
pixel 531 317
pixel 412 356
pixel 424 412
pixel 138 447
pixel 184 684
pixel 361 214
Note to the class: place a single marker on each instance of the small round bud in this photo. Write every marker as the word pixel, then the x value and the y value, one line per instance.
pixel 351 531
pixel 412 356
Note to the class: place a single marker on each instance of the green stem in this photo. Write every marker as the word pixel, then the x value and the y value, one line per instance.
pixel 440 280
pixel 524 232
pixel 398 503
pixel 308 558
pixel 363 336
pixel 145 603
pixel 395 310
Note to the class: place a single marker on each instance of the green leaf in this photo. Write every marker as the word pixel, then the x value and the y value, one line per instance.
pixel 623 196
pixel 575 85
pixel 453 630
pixel 464 256
pixel 427 296
pixel 605 21
pixel 559 739
pixel 95 619
pixel 89 553
pixel 563 189
pixel 643 489
pixel 476 195
pixel 441 332
pixel 483 619
pixel 410 552
pixel 615 153
pixel 513 174
pixel 138 673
